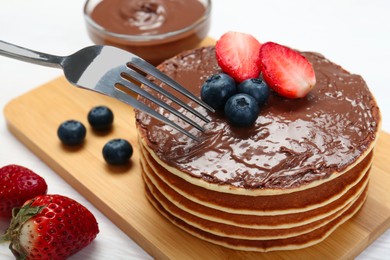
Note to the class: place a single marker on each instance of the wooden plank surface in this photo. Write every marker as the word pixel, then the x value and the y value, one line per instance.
pixel 119 191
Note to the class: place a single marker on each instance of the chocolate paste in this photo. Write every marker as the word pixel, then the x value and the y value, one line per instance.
pixel 293 142
pixel 147 17
pixel 155 30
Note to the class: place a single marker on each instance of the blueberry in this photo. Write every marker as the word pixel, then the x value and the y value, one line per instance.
pixel 71 132
pixel 117 151
pixel 217 89
pixel 241 110
pixel 255 87
pixel 100 118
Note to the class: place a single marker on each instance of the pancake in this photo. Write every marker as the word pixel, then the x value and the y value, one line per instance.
pixel 287 182
pixel 292 243
pixel 250 233
pixel 249 220
pixel 300 201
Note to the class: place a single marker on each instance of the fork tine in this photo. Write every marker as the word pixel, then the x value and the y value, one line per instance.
pixel 153 71
pixel 140 78
pixel 131 86
pixel 126 98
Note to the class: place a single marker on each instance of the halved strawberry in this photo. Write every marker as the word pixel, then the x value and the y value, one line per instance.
pixel 286 71
pixel 238 55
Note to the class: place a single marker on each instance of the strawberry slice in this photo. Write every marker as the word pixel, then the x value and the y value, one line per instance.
pixel 238 55
pixel 286 71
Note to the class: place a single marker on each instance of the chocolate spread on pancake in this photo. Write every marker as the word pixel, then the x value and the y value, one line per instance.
pixel 293 142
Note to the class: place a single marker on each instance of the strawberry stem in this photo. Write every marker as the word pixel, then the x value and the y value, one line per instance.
pixel 19 217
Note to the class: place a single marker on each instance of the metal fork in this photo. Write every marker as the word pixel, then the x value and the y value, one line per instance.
pixel 103 68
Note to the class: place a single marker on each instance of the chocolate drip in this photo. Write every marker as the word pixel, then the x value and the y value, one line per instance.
pixel 293 142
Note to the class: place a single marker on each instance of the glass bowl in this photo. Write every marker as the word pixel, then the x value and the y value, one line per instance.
pixel 154 47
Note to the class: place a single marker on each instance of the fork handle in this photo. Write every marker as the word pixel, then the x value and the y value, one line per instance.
pixel 16 52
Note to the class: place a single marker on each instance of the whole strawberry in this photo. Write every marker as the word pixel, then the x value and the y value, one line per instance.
pixel 50 227
pixel 18 184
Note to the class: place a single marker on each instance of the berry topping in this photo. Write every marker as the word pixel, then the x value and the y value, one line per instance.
pixel 241 110
pixel 256 88
pixel 117 151
pixel 18 184
pixel 286 71
pixel 100 118
pixel 238 55
pixel 217 89
pixel 71 132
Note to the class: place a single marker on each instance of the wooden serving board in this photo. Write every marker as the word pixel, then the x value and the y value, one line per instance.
pixel 119 191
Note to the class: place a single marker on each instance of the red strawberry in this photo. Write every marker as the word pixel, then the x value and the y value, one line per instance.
pixel 18 184
pixel 286 71
pixel 238 55
pixel 50 227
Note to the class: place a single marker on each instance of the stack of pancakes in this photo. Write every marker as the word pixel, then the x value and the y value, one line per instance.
pixel 286 182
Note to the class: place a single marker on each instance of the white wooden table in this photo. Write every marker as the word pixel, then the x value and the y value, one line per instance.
pixel 355 34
